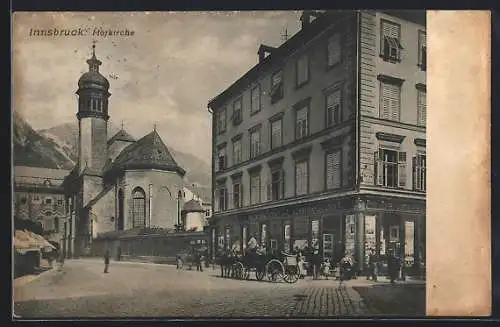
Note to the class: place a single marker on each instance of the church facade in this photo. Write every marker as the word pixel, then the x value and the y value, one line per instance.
pixel 121 183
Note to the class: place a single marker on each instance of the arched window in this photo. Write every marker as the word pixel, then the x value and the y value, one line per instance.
pixel 139 207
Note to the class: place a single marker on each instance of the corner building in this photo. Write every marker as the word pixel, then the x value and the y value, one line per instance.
pixel 322 143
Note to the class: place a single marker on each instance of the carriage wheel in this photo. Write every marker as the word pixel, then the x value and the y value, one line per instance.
pixel 238 270
pixel 259 274
pixel 291 275
pixel 275 270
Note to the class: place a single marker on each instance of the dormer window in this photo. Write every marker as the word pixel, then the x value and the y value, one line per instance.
pixel 390 46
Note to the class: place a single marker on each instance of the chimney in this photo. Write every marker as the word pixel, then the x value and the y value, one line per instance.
pixel 263 50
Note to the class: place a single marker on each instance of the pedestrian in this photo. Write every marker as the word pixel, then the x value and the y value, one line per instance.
pixel 106 261
pixel 199 266
pixel 373 266
pixel 178 260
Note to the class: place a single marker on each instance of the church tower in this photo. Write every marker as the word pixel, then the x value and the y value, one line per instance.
pixel 93 118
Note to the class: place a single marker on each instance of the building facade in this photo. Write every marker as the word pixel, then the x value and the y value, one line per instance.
pixel 39 197
pixel 322 143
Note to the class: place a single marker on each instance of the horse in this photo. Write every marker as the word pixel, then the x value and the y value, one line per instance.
pixel 226 261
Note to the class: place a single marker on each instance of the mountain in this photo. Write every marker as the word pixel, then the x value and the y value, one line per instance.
pixel 33 149
pixel 66 136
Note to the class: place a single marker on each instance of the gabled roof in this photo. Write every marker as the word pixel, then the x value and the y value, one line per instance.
pixel 148 152
pixel 122 135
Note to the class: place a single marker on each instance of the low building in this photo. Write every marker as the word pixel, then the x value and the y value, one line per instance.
pixel 39 197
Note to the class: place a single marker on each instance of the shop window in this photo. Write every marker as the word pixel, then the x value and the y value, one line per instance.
pixel 263 234
pixel 328 242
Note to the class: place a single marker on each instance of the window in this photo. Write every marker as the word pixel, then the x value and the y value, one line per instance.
pixel 138 207
pixel 276 188
pixel 237 111
pixel 419 167
pixel 36 199
pixel 221 121
pixel 301 123
pixel 334 169
pixel 390 168
pixel 60 203
pixel 255 99
pixel 255 188
pixel 333 108
pixel 222 195
pixel 48 200
pixel 237 194
pixel 302 70
pixel 422 50
pixel 334 50
pixel 390 101
pixel 222 158
pixel 390 45
pixel 276 87
pixel 301 177
pixel 263 234
pixel 236 151
pixel 421 108
pixel 207 213
pixel 255 143
pixel 276 135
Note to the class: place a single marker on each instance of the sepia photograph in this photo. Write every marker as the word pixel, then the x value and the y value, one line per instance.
pixel 219 164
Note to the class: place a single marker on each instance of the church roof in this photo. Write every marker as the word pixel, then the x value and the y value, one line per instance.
pixel 149 152
pixel 192 206
pixel 93 78
pixel 122 135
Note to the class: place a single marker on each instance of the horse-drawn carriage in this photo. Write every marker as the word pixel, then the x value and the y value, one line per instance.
pixel 276 266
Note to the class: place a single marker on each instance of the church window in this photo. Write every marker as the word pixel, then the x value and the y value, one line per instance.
pixel 139 207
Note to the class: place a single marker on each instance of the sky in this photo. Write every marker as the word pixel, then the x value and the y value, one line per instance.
pixel 163 74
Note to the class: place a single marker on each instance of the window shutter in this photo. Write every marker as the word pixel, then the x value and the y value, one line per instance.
pixel 422 108
pixel 390 30
pixel 333 170
pixel 241 195
pixel 269 191
pixel 402 169
pixel 379 168
pixel 414 173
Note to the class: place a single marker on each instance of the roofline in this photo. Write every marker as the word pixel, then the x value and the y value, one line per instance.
pixel 292 44
pixel 314 28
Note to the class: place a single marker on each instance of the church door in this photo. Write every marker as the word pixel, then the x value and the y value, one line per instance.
pixel 120 210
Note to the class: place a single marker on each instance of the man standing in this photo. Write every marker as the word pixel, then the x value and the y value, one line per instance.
pixel 106 261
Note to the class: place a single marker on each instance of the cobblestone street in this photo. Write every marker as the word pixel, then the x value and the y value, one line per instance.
pixel 81 289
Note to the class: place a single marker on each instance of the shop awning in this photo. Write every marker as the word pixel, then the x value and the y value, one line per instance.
pixel 25 241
